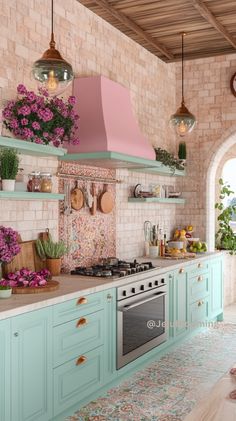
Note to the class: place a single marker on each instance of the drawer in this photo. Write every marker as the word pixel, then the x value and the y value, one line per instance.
pixel 198 268
pixel 73 309
pixel 198 312
pixel 77 379
pixel 198 287
pixel 77 337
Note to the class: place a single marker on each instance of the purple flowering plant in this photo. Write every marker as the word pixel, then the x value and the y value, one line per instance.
pixel 41 119
pixel 9 246
pixel 26 278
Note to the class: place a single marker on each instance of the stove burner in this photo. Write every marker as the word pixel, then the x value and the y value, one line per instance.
pixel 113 268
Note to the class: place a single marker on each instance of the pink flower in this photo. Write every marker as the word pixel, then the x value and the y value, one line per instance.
pixel 36 125
pixel 21 89
pixel 59 131
pixel 72 100
pixel 34 107
pixel 31 96
pixel 14 123
pixel 38 140
pixel 24 110
pixel 45 114
pixel 24 121
pixel 27 133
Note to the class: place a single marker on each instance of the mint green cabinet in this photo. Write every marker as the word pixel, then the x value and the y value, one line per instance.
pixel 110 335
pixel 216 288
pixel 31 366
pixel 5 359
pixel 180 303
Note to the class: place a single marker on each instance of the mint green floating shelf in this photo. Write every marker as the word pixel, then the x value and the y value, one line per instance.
pixel 30 148
pixel 21 195
pixel 115 160
pixel 156 200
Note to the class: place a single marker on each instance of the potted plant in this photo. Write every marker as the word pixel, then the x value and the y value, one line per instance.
pixel 9 165
pixel 225 237
pixel 52 253
pixel 9 246
pixel 182 153
pixel 40 119
pixel 168 159
pixel 5 291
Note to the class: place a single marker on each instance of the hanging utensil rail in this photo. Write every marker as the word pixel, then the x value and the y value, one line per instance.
pixel 90 178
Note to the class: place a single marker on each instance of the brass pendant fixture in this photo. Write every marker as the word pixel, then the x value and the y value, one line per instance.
pixel 51 71
pixel 183 121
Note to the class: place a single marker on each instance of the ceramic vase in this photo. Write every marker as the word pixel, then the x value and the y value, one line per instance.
pixel 8 185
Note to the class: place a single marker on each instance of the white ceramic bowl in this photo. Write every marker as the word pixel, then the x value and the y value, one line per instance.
pixel 5 293
pixel 176 244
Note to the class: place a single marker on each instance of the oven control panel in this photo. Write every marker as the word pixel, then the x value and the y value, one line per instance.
pixel 141 286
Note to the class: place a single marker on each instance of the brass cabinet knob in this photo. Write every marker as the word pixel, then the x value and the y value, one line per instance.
pixel 200 278
pixel 82 300
pixel 200 303
pixel 199 265
pixel 181 270
pixel 109 298
pixel 81 360
pixel 81 322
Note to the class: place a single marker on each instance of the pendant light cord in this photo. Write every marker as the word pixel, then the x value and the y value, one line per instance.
pixel 183 67
pixel 52 42
pixel 52 16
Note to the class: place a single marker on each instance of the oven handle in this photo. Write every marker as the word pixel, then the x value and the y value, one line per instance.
pixel 153 297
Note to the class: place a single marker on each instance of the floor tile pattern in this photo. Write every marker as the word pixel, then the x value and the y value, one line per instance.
pixel 168 389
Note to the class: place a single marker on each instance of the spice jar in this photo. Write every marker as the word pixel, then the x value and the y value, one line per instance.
pixel 46 182
pixel 34 183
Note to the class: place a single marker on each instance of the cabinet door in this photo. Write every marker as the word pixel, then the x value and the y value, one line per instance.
pixel 110 335
pixel 32 366
pixel 5 359
pixel 180 313
pixel 216 288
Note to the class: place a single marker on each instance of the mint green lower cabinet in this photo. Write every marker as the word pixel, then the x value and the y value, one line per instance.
pixel 180 304
pixel 31 361
pixel 110 335
pixel 77 379
pixel 198 313
pixel 5 359
pixel 216 287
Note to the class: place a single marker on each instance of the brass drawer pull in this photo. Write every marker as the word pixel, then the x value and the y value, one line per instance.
pixel 200 303
pixel 181 270
pixel 81 360
pixel 82 300
pixel 200 278
pixel 199 265
pixel 81 322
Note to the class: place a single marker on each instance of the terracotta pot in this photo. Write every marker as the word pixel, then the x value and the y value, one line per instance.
pixel 54 266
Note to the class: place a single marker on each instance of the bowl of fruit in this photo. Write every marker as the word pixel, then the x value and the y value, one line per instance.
pixel 198 247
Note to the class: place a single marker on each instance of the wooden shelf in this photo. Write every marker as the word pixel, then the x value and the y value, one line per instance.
pixel 30 148
pixel 156 200
pixel 21 195
pixel 117 160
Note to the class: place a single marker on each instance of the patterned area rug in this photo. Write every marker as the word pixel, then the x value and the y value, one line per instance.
pixel 168 389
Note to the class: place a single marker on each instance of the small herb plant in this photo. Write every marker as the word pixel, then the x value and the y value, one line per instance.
pixel 225 237
pixel 167 159
pixel 4 287
pixel 182 152
pixel 9 163
pixel 48 249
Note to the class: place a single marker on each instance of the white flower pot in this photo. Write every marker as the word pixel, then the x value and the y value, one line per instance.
pixel 8 185
pixel 5 293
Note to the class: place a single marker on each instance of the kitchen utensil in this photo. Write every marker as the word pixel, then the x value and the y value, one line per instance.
pixel 27 258
pixel 153 252
pixel 147 237
pixel 93 208
pixel 77 198
pixel 137 190
pixel 67 203
pixel 106 201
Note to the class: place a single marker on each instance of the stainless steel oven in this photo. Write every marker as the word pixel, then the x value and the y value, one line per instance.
pixel 141 317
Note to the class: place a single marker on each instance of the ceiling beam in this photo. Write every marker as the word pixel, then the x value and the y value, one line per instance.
pixel 129 23
pixel 208 15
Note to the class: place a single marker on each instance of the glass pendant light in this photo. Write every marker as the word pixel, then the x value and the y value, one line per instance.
pixel 51 70
pixel 183 121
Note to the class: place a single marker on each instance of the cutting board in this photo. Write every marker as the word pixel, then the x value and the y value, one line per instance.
pixel 27 258
pixel 50 286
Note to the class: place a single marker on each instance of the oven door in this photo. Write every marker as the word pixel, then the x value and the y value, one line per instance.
pixel 141 324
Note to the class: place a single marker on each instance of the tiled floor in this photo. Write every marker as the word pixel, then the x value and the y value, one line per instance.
pixel 168 389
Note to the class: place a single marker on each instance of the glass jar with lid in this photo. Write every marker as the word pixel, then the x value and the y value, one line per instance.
pixel 34 182
pixel 46 182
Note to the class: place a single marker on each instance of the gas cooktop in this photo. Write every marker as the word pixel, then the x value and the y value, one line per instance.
pixel 113 267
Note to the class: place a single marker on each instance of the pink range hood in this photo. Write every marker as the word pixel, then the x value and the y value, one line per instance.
pixel 107 123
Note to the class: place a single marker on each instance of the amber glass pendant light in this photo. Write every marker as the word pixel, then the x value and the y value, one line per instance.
pixel 51 70
pixel 183 121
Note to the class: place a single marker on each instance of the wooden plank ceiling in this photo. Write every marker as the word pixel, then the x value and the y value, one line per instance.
pixel 210 25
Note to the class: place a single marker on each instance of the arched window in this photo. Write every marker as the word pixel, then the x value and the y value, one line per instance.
pixel 229 176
